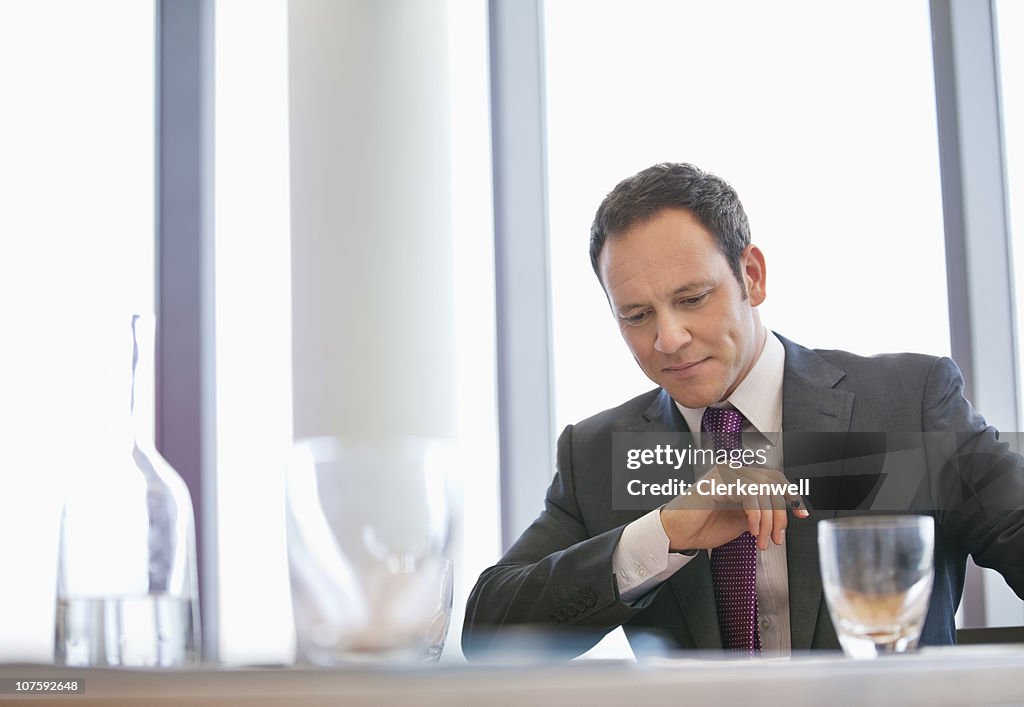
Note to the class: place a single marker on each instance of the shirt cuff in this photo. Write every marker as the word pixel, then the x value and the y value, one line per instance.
pixel 641 560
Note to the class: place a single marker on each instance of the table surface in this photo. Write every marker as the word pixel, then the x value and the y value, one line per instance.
pixel 944 676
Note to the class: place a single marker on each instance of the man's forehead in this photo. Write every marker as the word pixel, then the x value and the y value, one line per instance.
pixel 661 280
pixel 660 255
pixel 622 265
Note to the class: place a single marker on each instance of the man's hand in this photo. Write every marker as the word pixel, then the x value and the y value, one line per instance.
pixel 707 520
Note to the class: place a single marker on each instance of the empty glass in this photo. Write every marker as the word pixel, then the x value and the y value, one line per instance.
pixel 367 529
pixel 437 629
pixel 877 575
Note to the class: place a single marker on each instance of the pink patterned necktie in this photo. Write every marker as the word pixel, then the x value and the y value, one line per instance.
pixel 733 565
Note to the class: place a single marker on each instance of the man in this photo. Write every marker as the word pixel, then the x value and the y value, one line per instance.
pixel 671 247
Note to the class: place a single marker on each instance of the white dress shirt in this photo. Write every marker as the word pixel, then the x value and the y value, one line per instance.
pixel 642 560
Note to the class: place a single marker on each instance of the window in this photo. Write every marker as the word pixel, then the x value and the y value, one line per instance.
pixel 76 246
pixel 253 315
pixel 1002 606
pixel 823 119
pixel 1009 25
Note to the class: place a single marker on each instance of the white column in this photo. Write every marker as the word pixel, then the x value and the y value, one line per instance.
pixel 372 261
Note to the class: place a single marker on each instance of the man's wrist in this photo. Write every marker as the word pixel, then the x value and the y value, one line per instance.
pixel 665 526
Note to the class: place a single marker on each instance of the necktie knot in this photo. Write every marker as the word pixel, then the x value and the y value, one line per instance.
pixel 723 428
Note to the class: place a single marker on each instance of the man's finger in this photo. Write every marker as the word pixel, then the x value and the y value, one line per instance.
pixel 796 503
pixel 781 520
pixel 753 521
pixel 765 529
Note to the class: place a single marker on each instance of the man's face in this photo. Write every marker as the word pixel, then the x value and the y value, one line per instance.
pixel 680 308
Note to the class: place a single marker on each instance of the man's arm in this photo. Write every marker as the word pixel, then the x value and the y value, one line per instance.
pixel 556 578
pixel 981 497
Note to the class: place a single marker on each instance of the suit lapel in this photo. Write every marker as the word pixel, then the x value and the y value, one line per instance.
pixel 662 415
pixel 691 586
pixel 811 406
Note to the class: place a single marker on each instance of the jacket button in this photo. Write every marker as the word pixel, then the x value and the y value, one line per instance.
pixel 562 614
pixel 571 609
pixel 580 605
pixel 590 598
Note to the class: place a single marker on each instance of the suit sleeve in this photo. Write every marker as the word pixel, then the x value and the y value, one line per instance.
pixel 980 496
pixel 555 584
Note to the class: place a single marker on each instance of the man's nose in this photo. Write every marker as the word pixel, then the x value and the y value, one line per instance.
pixel 673 334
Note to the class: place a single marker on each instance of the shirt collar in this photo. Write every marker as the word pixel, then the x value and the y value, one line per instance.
pixel 758 396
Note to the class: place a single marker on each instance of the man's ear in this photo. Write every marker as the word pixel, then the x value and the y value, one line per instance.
pixel 754 274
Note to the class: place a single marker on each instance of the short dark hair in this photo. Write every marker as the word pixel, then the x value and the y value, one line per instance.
pixel 673 186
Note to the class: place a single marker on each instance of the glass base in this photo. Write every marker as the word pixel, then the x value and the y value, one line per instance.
pixel 369 657
pixel 154 630
pixel 872 645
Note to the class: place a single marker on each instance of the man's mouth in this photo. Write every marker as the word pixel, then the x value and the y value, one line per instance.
pixel 683 369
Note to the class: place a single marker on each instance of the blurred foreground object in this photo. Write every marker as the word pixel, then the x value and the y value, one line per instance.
pixel 367 528
pixel 127 592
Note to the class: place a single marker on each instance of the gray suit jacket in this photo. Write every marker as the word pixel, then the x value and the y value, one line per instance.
pixel 558 575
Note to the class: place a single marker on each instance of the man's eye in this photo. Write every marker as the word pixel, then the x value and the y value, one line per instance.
pixel 695 300
pixel 635 319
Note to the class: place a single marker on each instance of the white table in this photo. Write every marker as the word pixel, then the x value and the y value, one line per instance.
pixel 947 676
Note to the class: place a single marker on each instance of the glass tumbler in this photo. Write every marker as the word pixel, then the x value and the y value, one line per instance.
pixel 368 525
pixel 877 576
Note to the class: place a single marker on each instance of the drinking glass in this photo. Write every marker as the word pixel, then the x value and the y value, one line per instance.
pixel 437 629
pixel 368 525
pixel 877 575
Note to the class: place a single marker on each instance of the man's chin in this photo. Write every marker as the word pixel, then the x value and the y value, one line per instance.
pixel 693 399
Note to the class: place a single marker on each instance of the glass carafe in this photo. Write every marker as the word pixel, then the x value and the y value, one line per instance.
pixel 126 577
